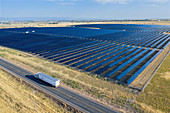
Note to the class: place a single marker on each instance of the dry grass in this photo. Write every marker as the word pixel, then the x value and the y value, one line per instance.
pixel 156 96
pixel 166 32
pixel 149 109
pixel 16 97
pixel 166 75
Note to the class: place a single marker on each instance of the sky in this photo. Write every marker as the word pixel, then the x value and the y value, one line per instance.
pixel 86 9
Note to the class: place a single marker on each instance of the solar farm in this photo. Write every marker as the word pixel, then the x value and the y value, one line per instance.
pixel 124 53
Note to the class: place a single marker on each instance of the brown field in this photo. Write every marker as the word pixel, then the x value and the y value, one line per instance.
pixel 65 24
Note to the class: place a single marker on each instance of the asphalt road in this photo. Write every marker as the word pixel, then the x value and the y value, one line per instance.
pixel 63 94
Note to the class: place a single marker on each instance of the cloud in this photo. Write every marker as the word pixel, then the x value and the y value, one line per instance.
pixel 148 2
pixel 66 3
pixel 155 3
pixel 63 2
pixel 159 1
pixel 152 5
pixel 112 1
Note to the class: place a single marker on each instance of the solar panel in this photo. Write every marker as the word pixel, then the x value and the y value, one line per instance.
pixel 116 51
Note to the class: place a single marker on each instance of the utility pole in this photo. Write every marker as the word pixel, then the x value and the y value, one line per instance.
pixel 34 100
pixel 33 92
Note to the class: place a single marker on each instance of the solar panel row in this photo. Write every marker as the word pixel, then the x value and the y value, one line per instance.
pixel 120 55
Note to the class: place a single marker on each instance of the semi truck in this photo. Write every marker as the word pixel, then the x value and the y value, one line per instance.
pixel 48 79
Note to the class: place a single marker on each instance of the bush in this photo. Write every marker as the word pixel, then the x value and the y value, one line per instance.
pixel 72 83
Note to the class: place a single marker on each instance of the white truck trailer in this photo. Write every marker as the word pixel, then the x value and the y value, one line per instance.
pixel 46 78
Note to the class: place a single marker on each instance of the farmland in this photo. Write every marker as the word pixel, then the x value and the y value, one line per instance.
pixel 65 24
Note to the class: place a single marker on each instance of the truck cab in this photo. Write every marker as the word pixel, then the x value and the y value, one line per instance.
pixel 36 75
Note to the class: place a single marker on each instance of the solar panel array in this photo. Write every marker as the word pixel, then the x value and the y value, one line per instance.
pixel 140 35
pixel 119 52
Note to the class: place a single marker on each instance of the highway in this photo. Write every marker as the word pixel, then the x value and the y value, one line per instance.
pixel 64 95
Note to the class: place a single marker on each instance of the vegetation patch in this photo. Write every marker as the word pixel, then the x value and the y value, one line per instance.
pixel 72 83
pixel 157 93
